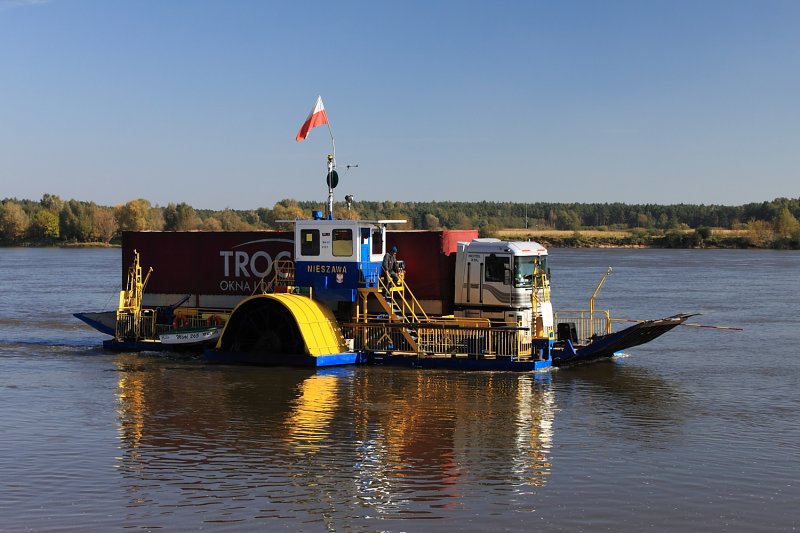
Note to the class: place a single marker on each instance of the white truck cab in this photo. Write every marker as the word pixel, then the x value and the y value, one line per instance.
pixel 506 282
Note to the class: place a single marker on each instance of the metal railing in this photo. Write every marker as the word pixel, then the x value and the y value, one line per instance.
pixel 145 325
pixel 136 326
pixel 398 291
pixel 283 276
pixel 587 323
pixel 435 339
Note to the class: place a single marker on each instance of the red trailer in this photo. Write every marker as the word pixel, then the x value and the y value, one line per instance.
pixel 430 260
pixel 219 268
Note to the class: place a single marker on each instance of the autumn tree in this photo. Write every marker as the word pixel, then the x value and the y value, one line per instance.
pixel 104 225
pixel 431 222
pixel 155 219
pixel 760 233
pixel 133 216
pixel 211 224
pixel 231 221
pixel 286 209
pixel 14 221
pixel 785 224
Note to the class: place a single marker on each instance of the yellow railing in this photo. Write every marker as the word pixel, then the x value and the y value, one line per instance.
pixel 136 326
pixel 435 339
pixel 145 325
pixel 281 279
pixel 410 308
pixel 587 323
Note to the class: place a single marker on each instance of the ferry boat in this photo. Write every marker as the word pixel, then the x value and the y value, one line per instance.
pixel 332 304
pixel 318 296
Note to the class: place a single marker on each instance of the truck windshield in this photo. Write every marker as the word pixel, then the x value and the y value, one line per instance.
pixel 524 268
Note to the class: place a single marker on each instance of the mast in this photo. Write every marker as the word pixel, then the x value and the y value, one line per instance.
pixel 333 176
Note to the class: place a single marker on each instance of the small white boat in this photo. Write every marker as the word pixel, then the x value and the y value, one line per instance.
pixel 189 337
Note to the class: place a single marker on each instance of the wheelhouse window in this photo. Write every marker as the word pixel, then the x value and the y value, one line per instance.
pixel 342 242
pixel 377 242
pixel 309 242
pixel 496 268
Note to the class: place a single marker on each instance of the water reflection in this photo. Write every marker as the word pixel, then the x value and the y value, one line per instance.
pixel 356 444
pixel 632 401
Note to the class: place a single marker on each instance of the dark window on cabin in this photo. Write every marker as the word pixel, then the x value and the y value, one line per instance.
pixel 496 267
pixel 377 242
pixel 309 242
pixel 342 242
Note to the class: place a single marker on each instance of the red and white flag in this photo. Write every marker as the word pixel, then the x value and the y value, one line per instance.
pixel 317 117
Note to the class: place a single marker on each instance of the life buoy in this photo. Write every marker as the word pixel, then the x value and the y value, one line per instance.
pixel 215 320
pixel 179 322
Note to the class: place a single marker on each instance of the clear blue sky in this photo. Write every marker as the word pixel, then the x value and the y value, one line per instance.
pixel 555 101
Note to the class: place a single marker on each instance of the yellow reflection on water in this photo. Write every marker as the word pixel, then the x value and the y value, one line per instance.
pixel 308 423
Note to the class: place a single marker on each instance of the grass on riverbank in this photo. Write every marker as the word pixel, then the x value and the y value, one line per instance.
pixel 633 238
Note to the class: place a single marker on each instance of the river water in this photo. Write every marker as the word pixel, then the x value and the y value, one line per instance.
pixel 698 430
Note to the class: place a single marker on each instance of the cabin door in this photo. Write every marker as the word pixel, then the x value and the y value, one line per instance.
pixel 365 246
pixel 496 282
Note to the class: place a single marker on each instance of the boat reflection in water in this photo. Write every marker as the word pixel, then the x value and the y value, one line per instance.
pixel 349 445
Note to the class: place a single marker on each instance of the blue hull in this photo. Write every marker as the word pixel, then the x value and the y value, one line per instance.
pixel 563 353
pixel 320 361
pixel 459 363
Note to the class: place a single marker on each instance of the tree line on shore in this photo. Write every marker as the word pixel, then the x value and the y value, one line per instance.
pixel 53 221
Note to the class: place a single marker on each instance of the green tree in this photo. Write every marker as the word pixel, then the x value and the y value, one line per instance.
pixel 45 225
pixel 567 219
pixel 75 221
pixel 52 202
pixel 231 221
pixel 180 217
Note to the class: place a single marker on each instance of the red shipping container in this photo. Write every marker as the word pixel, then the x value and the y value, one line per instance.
pixel 219 268
pixel 430 259
pixel 205 262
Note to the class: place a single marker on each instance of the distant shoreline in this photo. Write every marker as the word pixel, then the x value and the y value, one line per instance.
pixel 588 238
pixel 591 238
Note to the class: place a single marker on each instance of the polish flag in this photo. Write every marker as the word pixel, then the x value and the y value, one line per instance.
pixel 317 117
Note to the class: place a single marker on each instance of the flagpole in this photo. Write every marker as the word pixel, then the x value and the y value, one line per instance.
pixel 318 117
